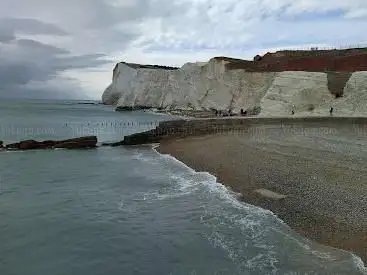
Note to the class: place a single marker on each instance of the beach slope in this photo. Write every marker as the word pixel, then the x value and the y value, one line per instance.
pixel 313 176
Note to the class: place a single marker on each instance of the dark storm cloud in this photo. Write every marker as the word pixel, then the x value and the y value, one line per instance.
pixel 93 29
pixel 19 74
pixel 24 61
pixel 61 88
pixel 35 61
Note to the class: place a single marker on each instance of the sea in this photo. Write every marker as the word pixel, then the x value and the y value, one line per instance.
pixel 131 210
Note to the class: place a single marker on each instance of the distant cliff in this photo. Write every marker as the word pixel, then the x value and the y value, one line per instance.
pixel 305 82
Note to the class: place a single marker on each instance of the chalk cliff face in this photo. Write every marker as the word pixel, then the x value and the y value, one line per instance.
pixel 220 85
pixel 194 86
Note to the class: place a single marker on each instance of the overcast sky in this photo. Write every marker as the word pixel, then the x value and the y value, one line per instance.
pixel 67 49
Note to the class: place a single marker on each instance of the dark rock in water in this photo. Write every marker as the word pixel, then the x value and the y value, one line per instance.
pixel 24 145
pixel 112 144
pixel 48 143
pixel 107 144
pixel 75 143
pixel 117 144
pixel 123 108
pixel 78 143
pixel 132 108
pixel 31 145
pixel 87 103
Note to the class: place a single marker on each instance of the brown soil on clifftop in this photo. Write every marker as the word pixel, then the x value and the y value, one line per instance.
pixel 348 60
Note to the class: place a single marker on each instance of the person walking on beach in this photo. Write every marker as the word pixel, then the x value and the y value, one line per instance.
pixel 331 110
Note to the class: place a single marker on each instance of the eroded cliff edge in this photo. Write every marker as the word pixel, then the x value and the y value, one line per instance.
pixel 276 84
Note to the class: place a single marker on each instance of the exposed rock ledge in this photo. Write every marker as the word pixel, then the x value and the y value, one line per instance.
pixel 75 143
pixel 306 83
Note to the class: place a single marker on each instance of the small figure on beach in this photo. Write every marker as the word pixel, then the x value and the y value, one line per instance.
pixel 242 111
pixel 216 112
pixel 293 107
pixel 331 110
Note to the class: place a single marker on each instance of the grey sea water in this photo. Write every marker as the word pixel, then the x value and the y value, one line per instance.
pixel 131 210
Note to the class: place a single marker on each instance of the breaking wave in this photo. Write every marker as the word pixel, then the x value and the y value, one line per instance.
pixel 251 236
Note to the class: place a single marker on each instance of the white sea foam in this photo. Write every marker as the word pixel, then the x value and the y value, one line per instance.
pixel 250 224
pixel 306 247
pixel 156 195
pixel 215 187
pixel 359 264
pixel 138 156
pixel 253 221
pixel 13 151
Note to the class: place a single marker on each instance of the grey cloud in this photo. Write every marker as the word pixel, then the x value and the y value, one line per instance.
pixel 37 62
pixel 6 35
pixel 103 15
pixel 61 88
pixel 35 46
pixel 89 26
pixel 142 9
pixel 80 62
pixel 71 14
pixel 30 26
pixel 90 14
pixel 21 74
pixel 109 40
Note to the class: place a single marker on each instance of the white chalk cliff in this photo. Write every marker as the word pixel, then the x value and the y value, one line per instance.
pixel 208 86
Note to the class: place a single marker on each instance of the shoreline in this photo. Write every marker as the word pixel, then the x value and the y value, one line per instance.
pixel 360 263
pixel 314 212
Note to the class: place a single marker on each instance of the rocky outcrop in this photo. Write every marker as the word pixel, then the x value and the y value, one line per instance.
pixel 75 143
pixel 305 83
pixel 257 58
pixel 78 143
